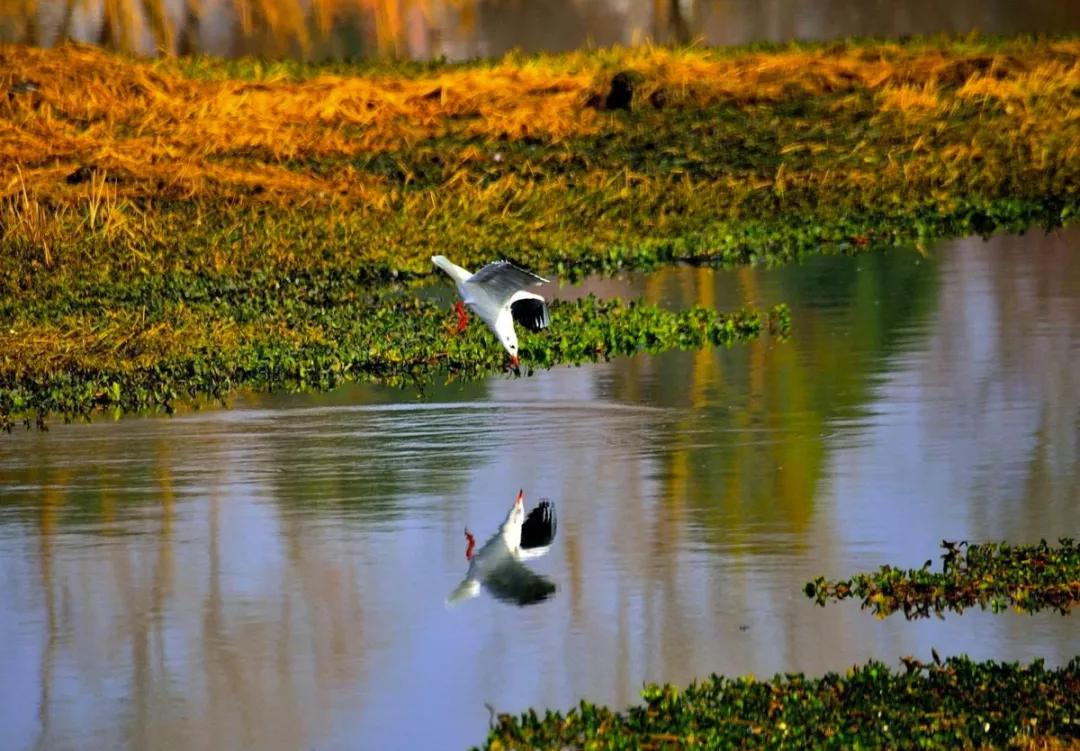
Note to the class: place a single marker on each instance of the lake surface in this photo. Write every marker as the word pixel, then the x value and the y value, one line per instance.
pixel 274 576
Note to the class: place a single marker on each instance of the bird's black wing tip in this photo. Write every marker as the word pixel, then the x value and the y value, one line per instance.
pixel 530 312
pixel 539 527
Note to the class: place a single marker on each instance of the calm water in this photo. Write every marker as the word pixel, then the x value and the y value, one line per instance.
pixel 273 576
pixel 461 29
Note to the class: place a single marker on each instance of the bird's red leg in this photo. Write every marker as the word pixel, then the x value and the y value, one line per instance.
pixel 470 545
pixel 462 319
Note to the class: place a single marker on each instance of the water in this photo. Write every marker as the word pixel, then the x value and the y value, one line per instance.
pixel 462 29
pixel 273 576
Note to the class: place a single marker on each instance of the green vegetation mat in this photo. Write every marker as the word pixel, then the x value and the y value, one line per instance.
pixel 1027 578
pixel 956 704
pixel 324 340
pixel 140 199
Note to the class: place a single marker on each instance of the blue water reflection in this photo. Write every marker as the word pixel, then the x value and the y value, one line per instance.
pixel 275 575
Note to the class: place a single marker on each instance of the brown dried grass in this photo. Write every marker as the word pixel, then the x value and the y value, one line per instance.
pixel 159 132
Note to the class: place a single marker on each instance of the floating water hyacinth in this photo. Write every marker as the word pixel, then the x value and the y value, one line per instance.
pixel 994 576
pixel 955 704
pixel 319 337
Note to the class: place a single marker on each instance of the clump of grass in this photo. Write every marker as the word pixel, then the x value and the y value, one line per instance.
pixel 955 704
pixel 25 222
pixel 997 576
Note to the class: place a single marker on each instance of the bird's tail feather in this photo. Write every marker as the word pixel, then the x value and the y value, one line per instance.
pixel 456 273
pixel 468 589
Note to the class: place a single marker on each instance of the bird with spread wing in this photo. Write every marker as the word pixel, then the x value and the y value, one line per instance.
pixel 499 294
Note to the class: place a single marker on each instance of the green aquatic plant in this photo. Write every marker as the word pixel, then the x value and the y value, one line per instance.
pixel 955 704
pixel 316 336
pixel 1027 578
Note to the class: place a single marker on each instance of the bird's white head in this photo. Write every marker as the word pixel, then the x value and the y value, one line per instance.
pixel 511 528
pixel 510 343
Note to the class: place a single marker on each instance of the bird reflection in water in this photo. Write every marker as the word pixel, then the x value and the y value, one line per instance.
pixel 498 567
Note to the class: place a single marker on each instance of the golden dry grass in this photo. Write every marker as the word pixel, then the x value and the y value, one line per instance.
pixel 160 132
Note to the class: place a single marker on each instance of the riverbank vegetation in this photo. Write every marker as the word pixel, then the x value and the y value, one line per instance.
pixel 323 339
pixel 140 199
pixel 952 704
pixel 994 576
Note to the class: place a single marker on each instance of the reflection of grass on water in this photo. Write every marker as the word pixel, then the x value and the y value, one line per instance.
pixel 797 392
pixel 139 200
pixel 282 26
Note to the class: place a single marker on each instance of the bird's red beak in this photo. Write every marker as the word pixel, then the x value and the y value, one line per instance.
pixel 520 498
pixel 514 360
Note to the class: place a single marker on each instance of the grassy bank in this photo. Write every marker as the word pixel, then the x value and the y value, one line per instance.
pixel 157 214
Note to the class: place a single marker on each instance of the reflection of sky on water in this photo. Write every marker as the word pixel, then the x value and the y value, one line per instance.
pixel 274 576
pixel 969 424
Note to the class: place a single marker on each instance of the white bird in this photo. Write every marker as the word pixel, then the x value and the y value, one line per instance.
pixel 498 294
pixel 497 565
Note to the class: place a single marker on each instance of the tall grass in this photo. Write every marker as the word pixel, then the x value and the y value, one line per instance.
pixel 24 221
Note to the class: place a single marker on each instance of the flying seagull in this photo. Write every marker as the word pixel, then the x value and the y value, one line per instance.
pixel 498 564
pixel 498 293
